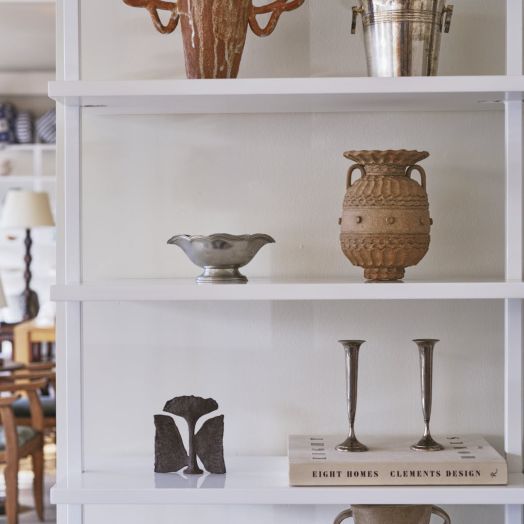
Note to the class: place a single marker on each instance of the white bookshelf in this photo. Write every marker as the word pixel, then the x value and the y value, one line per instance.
pixel 262 480
pixel 38 180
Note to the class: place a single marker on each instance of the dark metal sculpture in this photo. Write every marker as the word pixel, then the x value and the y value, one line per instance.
pixel 207 444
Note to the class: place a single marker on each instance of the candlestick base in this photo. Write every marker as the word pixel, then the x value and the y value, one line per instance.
pixel 350 445
pixel 426 443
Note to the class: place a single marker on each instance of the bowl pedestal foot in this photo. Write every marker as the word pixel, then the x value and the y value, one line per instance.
pixel 213 275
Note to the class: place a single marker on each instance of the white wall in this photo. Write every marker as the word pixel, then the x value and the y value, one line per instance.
pixel 27 36
pixel 119 42
pixel 276 368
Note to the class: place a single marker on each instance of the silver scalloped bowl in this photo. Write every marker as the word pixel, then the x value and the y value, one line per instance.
pixel 221 255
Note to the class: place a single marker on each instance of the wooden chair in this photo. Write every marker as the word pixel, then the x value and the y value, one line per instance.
pixel 17 442
pixel 22 407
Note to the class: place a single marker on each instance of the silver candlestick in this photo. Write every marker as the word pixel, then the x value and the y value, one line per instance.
pixel 351 348
pixel 425 348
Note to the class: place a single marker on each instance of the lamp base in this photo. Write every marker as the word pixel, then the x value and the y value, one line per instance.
pixel 31 304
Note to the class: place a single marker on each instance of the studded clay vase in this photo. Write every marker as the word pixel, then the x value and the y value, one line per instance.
pixel 392 515
pixel 214 31
pixel 385 220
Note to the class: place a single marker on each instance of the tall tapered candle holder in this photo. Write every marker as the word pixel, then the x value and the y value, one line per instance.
pixel 425 348
pixel 352 348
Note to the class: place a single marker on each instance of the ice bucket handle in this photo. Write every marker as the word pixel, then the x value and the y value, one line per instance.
pixel 356 11
pixel 422 173
pixel 350 173
pixel 153 6
pixel 343 516
pixel 441 513
pixel 348 513
pixel 447 13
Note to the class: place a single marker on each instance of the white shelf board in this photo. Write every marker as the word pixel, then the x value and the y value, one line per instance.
pixel 290 95
pixel 282 289
pixel 30 148
pixel 24 2
pixel 255 480
pixel 20 179
pixel 25 83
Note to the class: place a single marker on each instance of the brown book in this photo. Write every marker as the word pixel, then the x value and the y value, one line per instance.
pixel 314 461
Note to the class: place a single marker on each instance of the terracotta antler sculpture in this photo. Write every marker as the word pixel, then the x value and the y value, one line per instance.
pixel 214 31
pixel 153 6
pixel 276 8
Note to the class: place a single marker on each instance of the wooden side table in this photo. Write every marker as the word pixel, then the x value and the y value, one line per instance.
pixel 25 335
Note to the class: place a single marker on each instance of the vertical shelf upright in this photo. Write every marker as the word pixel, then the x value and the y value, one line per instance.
pixel 69 314
pixel 513 342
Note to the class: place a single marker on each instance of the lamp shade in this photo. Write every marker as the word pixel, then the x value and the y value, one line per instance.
pixel 27 209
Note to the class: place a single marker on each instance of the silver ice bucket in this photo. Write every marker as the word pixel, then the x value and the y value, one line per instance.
pixel 402 37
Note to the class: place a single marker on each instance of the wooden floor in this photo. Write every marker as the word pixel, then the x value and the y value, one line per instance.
pixel 25 481
pixel 26 500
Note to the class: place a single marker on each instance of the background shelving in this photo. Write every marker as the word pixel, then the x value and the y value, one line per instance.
pixel 32 148
pixel 25 179
pixel 37 159
pixel 34 168
pixel 27 65
pixel 18 2
pixel 25 83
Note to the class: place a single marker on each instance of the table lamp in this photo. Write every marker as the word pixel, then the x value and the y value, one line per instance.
pixel 27 209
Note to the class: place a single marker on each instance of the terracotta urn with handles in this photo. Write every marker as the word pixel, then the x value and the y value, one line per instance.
pixel 392 515
pixel 214 31
pixel 385 220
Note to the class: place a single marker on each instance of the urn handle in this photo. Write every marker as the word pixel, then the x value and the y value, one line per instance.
pixel 356 11
pixel 276 8
pixel 350 173
pixel 420 169
pixel 441 513
pixel 343 516
pixel 445 23
pixel 153 6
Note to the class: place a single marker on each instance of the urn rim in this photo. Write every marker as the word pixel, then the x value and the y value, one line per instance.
pixel 399 157
pixel 385 506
